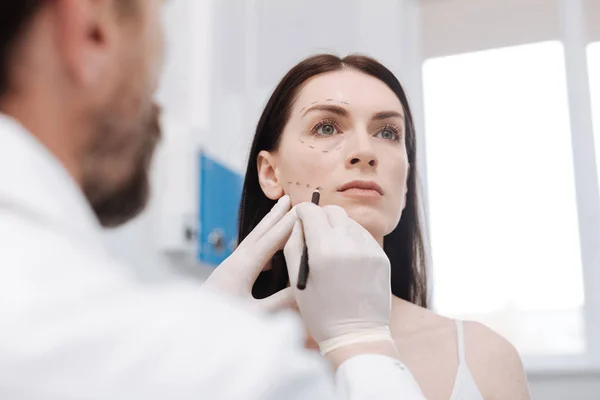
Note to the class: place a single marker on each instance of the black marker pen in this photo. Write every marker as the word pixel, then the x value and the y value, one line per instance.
pixel 303 272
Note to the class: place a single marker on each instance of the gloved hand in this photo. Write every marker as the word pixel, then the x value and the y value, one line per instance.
pixel 237 274
pixel 348 297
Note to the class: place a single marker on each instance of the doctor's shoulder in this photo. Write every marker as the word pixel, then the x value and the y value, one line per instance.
pixel 176 332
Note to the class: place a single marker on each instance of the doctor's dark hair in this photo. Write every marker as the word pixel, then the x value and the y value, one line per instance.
pixel 404 246
pixel 15 15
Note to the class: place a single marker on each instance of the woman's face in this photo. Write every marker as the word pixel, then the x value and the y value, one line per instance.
pixel 345 136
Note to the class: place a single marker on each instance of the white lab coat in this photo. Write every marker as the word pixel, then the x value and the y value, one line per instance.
pixel 74 325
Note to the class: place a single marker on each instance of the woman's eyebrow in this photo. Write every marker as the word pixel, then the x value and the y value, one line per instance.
pixel 341 111
pixel 387 114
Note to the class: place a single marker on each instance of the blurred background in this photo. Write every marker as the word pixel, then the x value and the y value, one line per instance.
pixel 506 95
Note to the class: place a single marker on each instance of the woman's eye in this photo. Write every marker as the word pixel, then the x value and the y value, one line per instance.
pixel 388 134
pixel 327 130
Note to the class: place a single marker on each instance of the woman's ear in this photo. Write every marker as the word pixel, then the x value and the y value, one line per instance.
pixel 267 176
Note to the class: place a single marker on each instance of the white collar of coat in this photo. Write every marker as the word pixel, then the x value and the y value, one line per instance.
pixel 35 184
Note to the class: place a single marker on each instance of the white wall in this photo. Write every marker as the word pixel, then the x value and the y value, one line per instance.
pixel 575 386
pixel 458 26
pixel 592 8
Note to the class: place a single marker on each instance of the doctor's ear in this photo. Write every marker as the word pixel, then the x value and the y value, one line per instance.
pixel 267 176
pixel 88 36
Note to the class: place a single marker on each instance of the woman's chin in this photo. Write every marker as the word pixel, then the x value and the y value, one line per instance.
pixel 370 219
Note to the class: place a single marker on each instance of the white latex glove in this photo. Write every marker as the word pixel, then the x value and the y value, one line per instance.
pixel 237 274
pixel 348 295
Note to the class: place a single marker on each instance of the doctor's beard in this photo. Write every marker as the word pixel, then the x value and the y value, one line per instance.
pixel 117 164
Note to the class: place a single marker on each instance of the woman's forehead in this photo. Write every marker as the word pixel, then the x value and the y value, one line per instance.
pixel 348 87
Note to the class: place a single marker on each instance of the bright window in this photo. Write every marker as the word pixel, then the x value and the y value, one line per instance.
pixel 502 202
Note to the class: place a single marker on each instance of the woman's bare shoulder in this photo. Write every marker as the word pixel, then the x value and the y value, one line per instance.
pixel 494 363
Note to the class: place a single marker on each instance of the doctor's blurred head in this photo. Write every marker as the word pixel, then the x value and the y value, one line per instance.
pixel 80 75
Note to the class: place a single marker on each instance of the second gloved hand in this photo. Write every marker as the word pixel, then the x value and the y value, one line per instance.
pixel 348 291
pixel 237 274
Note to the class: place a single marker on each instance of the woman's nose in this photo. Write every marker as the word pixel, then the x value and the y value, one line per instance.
pixel 361 154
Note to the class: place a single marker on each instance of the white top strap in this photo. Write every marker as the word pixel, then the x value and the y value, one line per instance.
pixel 460 337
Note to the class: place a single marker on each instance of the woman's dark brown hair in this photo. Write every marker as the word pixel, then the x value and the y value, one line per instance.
pixel 404 246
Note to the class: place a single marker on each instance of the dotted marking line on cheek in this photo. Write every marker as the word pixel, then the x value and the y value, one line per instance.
pixel 306 185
